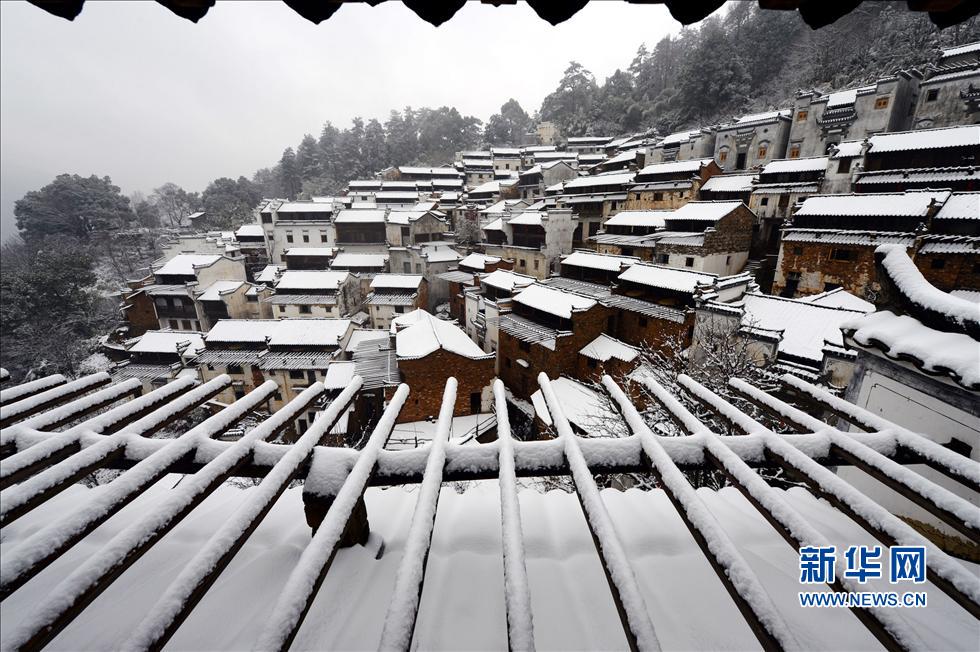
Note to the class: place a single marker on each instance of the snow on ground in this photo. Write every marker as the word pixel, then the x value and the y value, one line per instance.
pixel 462 605
pixel 419 433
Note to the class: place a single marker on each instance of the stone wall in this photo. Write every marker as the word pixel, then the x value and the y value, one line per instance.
pixel 427 378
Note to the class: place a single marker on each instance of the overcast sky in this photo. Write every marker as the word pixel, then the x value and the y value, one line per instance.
pixel 132 91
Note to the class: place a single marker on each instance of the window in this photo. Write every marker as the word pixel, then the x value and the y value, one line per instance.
pixel 843 165
pixel 296 374
pixel 234 368
pixel 827 287
pixel 794 151
pixel 841 254
pixel 522 263
pixel 323 236
pixel 304 310
pixel 728 260
pixel 174 324
pixel 418 268
pixel 764 202
pixel 881 103
pixel 306 237
pixel 271 235
pixel 937 263
pixel 593 364
pixel 289 237
pixel 407 267
pixel 186 323
pixel 932 95
pixel 663 258
pixel 658 196
pixel 797 251
pixel 524 346
pixel 267 218
pixel 160 301
pixel 536 263
pixel 282 308
pixel 689 262
pixel 722 155
pixel 406 234
pixel 399 309
pixel 762 151
pixel 251 298
pixel 801 115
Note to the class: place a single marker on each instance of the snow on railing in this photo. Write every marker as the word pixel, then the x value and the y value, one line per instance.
pixel 336 479
pixel 622 580
pixel 59 416
pixel 517 592
pixel 404 607
pixel 20 391
pixel 34 403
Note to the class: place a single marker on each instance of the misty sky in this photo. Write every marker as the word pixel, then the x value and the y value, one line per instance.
pixel 132 91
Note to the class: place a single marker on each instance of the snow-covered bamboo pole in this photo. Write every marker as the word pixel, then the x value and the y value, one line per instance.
pixel 40 549
pixel 883 623
pixel 54 447
pixel 57 417
pixel 18 500
pixel 954 510
pixel 951 463
pixel 70 597
pixel 23 390
pixel 638 627
pixel 203 569
pixel 30 405
pixel 517 592
pixel 305 579
pixel 948 574
pixel 403 610
pixel 741 582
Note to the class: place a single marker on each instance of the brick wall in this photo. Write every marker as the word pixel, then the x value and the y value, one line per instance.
pixel 427 378
pixel 141 314
pixel 958 271
pixel 813 262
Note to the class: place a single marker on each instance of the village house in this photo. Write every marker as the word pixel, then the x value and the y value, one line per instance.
pixel 781 185
pixel 436 176
pixel 629 161
pixel 587 144
pixel 683 146
pixel 728 187
pixel 752 140
pixel 544 332
pixel 506 159
pixel 820 121
pixel 629 233
pixel 669 185
pixel 485 193
pixel 308 258
pixel 949 93
pixel 831 239
pixel 430 260
pixel 297 224
pixel 542 156
pixel 595 268
pixel 305 294
pixel 362 230
pixel 708 236
pixel 477 171
pixel 845 162
pixel 157 357
pixel 477 263
pixel 533 240
pixel 606 355
pixel 797 336
pixel 293 352
pixel 929 158
pixel 411 227
pixel 395 294
pixel 250 239
pixel 486 301
pixel 363 264
pixel 533 181
pixel 231 300
pixel 917 365
pixel 457 282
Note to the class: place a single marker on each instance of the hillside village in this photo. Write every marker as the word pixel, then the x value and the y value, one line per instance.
pixel 580 256
pixel 574 391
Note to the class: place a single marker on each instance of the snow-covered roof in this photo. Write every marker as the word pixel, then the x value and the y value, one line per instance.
pixel 847 236
pixel 440 254
pixel 401 281
pixel 960 136
pixel 479 261
pixel 167 341
pixel 344 260
pixel 621 158
pixel 605 262
pixel 405 217
pixel 960 206
pixel 604 348
pixel 708 211
pixel 495 225
pixel 279 332
pixel 489 186
pixel 650 219
pixel 583 407
pixel 338 374
pixel 669 278
pixel 961 49
pixel 552 301
pixel 618 179
pixel 897 204
pixel 214 291
pixel 268 273
pixel 805 326
pixel 675 167
pixel 304 207
pixel 848 149
pixel 507 280
pixel 250 231
pixel 729 183
pixel 435 172
pixel 311 251
pixel 427 334
pixel 766 116
pixel 360 216
pixel 809 164
pixel 184 264
pixel 840 298
pixel 527 218
pixel 311 280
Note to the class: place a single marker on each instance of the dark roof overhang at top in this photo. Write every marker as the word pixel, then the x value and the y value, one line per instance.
pixel 816 13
